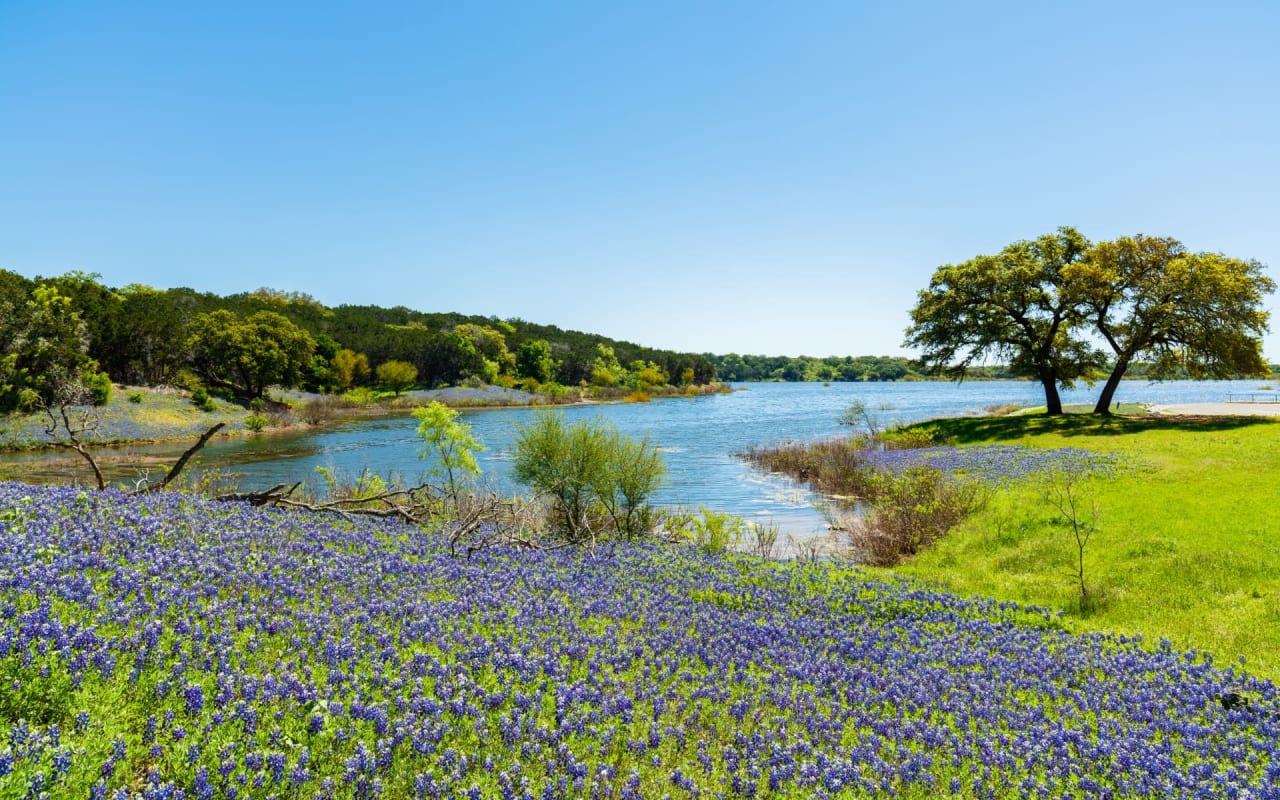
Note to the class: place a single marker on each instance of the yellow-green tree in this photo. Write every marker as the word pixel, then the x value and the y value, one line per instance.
pixel 348 368
pixel 1196 314
pixel 397 375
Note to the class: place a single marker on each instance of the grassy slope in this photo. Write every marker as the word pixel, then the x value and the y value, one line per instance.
pixel 1186 546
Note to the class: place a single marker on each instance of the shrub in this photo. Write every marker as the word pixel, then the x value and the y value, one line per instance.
pixel 199 396
pixel 319 410
pixel 135 397
pixel 596 478
pixel 99 385
pixel 361 396
pixel 255 422
pixel 908 511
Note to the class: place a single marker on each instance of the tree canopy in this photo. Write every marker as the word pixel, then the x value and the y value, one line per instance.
pixel 248 355
pixel 1011 306
pixel 1196 314
pixel 1050 306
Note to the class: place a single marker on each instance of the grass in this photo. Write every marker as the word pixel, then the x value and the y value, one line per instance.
pixel 1187 541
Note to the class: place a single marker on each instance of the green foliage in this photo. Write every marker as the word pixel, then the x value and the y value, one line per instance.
pixel 36 690
pixel 255 422
pixel 449 444
pixel 99 385
pixel 45 362
pixel 1013 306
pixel 605 370
pixel 1197 315
pixel 596 478
pixel 250 354
pixel 735 367
pixel 135 397
pixel 534 361
pixel 908 511
pixel 361 396
pixel 347 368
pixel 397 376
pixel 200 396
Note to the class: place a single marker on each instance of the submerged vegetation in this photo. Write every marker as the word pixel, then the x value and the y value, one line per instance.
pixel 165 646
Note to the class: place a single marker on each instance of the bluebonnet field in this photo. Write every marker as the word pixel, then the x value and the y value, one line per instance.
pixel 160 415
pixel 995 464
pixel 166 647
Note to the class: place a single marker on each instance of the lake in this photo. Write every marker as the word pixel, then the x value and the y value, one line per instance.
pixel 698 437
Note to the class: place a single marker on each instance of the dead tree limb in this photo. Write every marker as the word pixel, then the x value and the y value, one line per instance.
pixel 182 460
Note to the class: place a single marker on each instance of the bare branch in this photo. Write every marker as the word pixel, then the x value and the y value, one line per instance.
pixel 182 460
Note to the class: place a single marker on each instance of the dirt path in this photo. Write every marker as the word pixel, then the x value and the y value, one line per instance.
pixel 1218 409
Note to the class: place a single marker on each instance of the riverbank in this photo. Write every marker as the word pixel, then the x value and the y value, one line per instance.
pixel 144 415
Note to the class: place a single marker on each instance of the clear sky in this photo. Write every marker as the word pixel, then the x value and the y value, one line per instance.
pixel 775 178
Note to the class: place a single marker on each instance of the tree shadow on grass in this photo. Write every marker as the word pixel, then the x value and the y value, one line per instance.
pixel 968 430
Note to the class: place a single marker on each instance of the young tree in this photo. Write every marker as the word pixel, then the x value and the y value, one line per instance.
pixel 47 354
pixel 1011 305
pixel 251 354
pixel 1198 313
pixel 449 443
pixel 397 375
pixel 593 474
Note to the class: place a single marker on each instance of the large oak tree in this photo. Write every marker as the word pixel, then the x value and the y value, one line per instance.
pixel 1011 306
pixel 247 355
pixel 1196 314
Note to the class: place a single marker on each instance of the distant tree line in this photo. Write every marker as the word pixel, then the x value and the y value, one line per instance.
pixel 244 343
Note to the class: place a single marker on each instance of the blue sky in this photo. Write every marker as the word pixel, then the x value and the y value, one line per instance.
pixel 773 178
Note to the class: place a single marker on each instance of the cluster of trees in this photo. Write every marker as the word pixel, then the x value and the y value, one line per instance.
pixel 71 328
pixel 1060 309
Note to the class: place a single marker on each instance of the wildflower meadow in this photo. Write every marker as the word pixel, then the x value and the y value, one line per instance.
pixel 166 646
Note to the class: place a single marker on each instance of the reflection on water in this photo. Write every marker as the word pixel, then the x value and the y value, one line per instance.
pixel 697 437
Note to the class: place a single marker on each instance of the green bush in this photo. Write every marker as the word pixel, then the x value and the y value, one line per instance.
pixel 255 422
pixel 199 396
pixel 99 388
pixel 135 397
pixel 596 479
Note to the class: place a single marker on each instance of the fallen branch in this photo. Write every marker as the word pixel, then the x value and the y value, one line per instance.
pixel 182 461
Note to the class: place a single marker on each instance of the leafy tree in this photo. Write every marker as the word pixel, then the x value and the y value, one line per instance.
pixel 1198 314
pixel 248 355
pixel 534 360
pixel 491 345
pixel 348 368
pixel 594 476
pixel 397 375
pixel 606 370
pixel 47 357
pixel 646 375
pixel 1011 305
pixel 449 443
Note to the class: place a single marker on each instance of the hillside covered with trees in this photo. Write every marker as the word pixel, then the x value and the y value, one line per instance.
pixel 64 333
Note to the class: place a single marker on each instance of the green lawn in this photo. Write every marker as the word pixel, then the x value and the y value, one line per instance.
pixel 1187 541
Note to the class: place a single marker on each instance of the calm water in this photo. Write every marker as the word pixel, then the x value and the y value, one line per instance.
pixel 697 436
